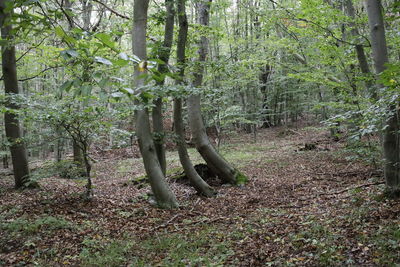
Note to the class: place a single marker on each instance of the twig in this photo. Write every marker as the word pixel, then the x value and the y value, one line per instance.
pixel 341 191
pixel 328 31
pixel 350 173
pixel 112 10
pixel 167 223
pixel 206 220
pixel 38 74
pixel 351 188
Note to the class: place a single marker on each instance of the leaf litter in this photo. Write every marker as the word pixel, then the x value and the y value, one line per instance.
pixel 300 208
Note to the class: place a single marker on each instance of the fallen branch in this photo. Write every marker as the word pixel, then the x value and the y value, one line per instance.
pixel 169 222
pixel 350 188
pixel 341 191
pixel 166 223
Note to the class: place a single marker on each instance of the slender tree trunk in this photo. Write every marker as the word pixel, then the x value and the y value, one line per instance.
pixel 214 161
pixel 164 55
pixel 162 193
pixel 86 76
pixel 198 183
pixel 86 13
pixel 88 168
pixel 362 59
pixel 390 135
pixel 12 125
pixel 264 79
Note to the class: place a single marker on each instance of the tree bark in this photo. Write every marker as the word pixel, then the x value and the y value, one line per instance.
pixel 164 55
pixel 162 193
pixel 390 136
pixel 214 160
pixel 377 33
pixel 361 57
pixel 77 153
pixel 12 125
pixel 198 183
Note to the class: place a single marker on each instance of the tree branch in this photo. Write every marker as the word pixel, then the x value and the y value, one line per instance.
pixel 112 10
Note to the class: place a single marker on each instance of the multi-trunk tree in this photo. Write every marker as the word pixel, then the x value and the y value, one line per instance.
pixel 198 183
pixel 214 160
pixel 164 197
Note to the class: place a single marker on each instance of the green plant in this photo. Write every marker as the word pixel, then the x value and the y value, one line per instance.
pixel 64 169
pixel 22 226
pixel 99 253
pixel 202 248
pixel 385 242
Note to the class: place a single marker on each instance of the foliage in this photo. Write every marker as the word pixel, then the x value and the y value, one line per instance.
pixel 22 226
pixel 64 169
pixel 101 253
pixel 177 249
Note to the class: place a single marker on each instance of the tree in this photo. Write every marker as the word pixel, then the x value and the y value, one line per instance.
pixel 391 144
pixel 214 161
pixel 81 122
pixel 163 55
pixel 198 183
pixel 162 193
pixel 361 57
pixel 12 124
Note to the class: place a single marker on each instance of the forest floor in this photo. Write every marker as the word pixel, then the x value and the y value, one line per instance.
pixel 300 208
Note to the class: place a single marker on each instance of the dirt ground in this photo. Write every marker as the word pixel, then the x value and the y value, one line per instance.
pixel 301 207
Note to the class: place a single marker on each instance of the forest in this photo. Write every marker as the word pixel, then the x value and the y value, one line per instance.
pixel 200 133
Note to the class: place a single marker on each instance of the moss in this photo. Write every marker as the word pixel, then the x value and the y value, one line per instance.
pixel 240 178
pixel 167 205
pixel 176 171
pixel 391 193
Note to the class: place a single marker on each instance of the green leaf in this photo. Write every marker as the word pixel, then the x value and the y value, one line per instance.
pixel 77 83
pixel 105 39
pixel 103 61
pixel 117 95
pixel 146 96
pixel 66 86
pixel 127 91
pixel 71 53
pixel 59 31
pixel 97 76
pixel 120 62
pixel 103 82
pixel 123 56
pixel 63 35
pixel 135 59
pixel 86 90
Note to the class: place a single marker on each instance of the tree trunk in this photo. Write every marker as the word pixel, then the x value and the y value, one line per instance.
pixel 264 79
pixel 162 193
pixel 362 59
pixel 159 135
pixel 86 14
pixel 198 183
pixel 12 126
pixel 59 146
pixel 214 161
pixel 86 75
pixel 164 55
pixel 390 135
pixel 88 168
pixel 77 153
